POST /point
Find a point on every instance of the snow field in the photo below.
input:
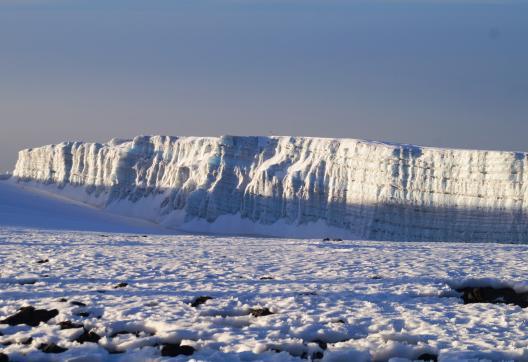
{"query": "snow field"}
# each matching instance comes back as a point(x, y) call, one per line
point(330, 300)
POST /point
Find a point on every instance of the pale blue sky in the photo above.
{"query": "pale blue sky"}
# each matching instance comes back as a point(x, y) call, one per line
point(442, 73)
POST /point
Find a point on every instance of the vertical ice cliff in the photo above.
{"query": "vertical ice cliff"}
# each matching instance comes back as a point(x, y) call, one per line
point(280, 185)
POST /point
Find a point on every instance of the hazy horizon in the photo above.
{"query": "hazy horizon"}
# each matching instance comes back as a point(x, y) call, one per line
point(433, 73)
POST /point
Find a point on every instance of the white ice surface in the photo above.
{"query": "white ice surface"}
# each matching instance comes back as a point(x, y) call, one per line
point(394, 298)
point(279, 186)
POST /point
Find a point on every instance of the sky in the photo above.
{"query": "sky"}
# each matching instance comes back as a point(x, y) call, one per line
point(449, 73)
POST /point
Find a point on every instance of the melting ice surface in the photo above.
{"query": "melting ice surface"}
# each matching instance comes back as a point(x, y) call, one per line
point(329, 300)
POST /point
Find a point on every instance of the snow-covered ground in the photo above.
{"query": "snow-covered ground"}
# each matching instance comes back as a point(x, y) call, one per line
point(329, 300)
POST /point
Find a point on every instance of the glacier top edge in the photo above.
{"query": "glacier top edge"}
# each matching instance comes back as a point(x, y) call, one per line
point(124, 142)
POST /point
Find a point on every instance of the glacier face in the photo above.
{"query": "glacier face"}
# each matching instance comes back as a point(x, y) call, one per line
point(276, 185)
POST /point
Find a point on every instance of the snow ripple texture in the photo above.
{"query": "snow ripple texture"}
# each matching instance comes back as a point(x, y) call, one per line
point(286, 186)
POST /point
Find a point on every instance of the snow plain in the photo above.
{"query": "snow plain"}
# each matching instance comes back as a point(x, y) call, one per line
point(330, 300)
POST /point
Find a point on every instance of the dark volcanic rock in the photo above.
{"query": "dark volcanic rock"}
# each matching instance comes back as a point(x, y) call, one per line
point(79, 304)
point(493, 295)
point(266, 278)
point(91, 337)
point(4, 357)
point(317, 355)
point(173, 350)
point(260, 312)
point(427, 357)
point(51, 348)
point(28, 341)
point(42, 261)
point(30, 316)
point(322, 344)
point(63, 300)
point(69, 325)
point(27, 282)
point(120, 285)
point(199, 301)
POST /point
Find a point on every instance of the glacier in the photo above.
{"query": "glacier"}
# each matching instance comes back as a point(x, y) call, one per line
point(292, 186)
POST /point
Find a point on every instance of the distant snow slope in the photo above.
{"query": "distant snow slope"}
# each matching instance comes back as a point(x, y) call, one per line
point(22, 207)
point(293, 186)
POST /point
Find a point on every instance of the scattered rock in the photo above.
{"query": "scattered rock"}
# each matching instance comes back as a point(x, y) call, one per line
point(307, 293)
point(260, 312)
point(27, 281)
point(69, 325)
point(51, 348)
point(199, 301)
point(42, 261)
point(266, 278)
point(317, 355)
point(338, 239)
point(322, 344)
point(30, 316)
point(173, 350)
point(376, 277)
point(493, 295)
point(4, 357)
point(79, 304)
point(326, 239)
point(63, 300)
point(120, 285)
point(427, 357)
point(91, 337)
point(27, 342)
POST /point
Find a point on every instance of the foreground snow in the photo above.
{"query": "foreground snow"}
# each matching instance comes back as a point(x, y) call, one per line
point(364, 300)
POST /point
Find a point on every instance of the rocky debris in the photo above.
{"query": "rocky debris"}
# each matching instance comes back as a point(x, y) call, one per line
point(326, 239)
point(493, 295)
point(51, 348)
point(173, 350)
point(138, 333)
point(69, 325)
point(4, 357)
point(27, 281)
point(427, 357)
point(120, 285)
point(307, 293)
point(199, 301)
point(27, 342)
point(88, 336)
point(266, 278)
point(79, 304)
point(62, 300)
point(322, 344)
point(30, 316)
point(42, 261)
point(314, 356)
point(260, 312)
point(338, 239)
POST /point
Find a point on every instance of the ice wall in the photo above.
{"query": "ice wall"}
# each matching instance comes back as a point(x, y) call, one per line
point(277, 185)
